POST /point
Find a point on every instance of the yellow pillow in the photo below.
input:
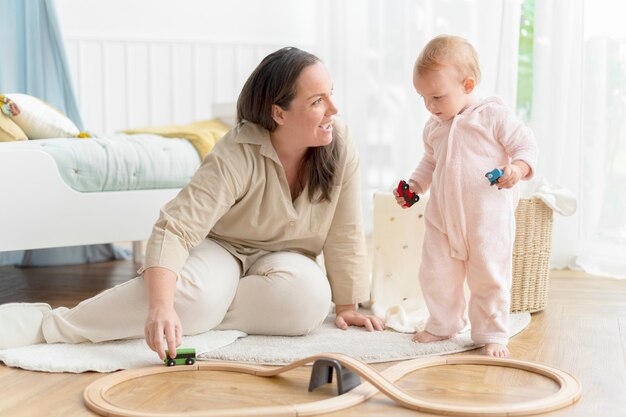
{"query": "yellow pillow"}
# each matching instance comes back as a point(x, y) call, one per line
point(203, 135)
point(9, 131)
point(39, 120)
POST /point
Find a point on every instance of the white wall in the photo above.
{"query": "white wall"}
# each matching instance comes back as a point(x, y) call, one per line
point(269, 21)
point(140, 62)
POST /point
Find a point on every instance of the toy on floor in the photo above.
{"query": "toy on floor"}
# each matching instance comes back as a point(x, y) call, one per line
point(494, 176)
point(410, 198)
point(322, 373)
point(183, 357)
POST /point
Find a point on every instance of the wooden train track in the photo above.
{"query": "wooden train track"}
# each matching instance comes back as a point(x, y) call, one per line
point(95, 395)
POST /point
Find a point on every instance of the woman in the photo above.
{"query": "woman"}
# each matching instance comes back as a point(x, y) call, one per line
point(236, 248)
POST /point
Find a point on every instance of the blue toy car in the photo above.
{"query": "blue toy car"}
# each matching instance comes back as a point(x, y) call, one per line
point(494, 176)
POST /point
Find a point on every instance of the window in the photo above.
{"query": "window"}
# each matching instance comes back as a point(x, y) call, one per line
point(525, 61)
point(604, 129)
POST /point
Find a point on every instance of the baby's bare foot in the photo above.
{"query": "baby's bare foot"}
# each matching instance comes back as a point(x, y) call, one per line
point(424, 337)
point(496, 350)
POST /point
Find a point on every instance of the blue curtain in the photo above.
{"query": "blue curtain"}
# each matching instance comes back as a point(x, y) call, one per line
point(33, 56)
point(33, 61)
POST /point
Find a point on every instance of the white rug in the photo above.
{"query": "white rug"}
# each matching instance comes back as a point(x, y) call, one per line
point(367, 346)
point(223, 345)
point(105, 356)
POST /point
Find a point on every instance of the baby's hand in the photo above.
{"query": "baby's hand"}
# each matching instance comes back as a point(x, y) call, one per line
point(512, 175)
point(400, 199)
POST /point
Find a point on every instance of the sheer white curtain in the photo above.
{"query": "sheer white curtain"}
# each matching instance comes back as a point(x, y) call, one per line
point(370, 47)
point(579, 105)
point(556, 109)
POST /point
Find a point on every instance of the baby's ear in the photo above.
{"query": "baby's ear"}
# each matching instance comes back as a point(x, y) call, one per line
point(468, 84)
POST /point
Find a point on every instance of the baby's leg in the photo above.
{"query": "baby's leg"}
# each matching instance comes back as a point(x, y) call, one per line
point(489, 311)
point(489, 274)
point(283, 293)
point(442, 278)
point(203, 293)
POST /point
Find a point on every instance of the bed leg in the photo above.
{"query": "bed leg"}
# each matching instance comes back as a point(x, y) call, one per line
point(137, 252)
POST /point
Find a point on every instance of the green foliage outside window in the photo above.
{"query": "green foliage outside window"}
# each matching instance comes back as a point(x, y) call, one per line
point(525, 61)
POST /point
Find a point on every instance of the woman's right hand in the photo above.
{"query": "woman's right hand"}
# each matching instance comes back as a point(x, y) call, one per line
point(163, 322)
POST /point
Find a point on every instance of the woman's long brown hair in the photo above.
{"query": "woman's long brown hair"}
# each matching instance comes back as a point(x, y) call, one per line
point(274, 82)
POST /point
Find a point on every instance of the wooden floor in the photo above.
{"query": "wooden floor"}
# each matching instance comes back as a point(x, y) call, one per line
point(582, 331)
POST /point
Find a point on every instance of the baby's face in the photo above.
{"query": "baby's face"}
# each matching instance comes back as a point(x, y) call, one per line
point(443, 92)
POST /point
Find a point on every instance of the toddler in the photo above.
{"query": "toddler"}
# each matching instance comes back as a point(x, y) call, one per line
point(470, 226)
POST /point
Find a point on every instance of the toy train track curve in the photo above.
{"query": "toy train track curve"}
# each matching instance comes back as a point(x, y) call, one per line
point(95, 395)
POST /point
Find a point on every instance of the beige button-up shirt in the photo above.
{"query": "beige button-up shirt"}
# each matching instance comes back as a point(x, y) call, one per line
point(240, 198)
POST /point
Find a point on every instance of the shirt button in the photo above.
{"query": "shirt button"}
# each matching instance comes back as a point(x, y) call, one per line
point(292, 224)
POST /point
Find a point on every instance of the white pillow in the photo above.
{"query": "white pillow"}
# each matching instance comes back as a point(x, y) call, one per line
point(39, 120)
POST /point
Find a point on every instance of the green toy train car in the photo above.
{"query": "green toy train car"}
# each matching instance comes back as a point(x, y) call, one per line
point(183, 357)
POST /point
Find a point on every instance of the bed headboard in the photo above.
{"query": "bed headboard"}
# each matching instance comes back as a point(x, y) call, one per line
point(129, 82)
point(227, 112)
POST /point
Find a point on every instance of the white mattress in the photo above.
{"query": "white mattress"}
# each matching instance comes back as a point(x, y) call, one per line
point(118, 162)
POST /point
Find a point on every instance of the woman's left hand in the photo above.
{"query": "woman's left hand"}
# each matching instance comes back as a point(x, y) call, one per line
point(348, 316)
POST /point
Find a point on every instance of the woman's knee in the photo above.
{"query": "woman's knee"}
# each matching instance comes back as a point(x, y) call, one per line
point(208, 283)
point(207, 262)
point(297, 276)
point(284, 294)
point(309, 300)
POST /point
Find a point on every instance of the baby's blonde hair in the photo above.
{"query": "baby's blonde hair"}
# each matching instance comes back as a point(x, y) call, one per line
point(449, 50)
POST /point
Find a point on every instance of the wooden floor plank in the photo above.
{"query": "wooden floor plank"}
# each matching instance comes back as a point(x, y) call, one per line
point(582, 331)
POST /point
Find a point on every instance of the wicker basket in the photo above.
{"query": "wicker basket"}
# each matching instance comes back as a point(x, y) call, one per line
point(531, 256)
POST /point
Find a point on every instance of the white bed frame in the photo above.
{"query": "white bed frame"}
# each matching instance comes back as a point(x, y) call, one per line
point(39, 210)
point(121, 83)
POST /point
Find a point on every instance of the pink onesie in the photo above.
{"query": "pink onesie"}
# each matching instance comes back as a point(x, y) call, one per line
point(470, 225)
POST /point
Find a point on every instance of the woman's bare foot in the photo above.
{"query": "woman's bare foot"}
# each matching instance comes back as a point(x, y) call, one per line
point(496, 350)
point(423, 336)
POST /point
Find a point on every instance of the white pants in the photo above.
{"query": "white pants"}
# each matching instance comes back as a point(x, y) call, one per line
point(282, 293)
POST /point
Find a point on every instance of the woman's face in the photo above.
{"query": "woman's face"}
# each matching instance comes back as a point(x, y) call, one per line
point(309, 120)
